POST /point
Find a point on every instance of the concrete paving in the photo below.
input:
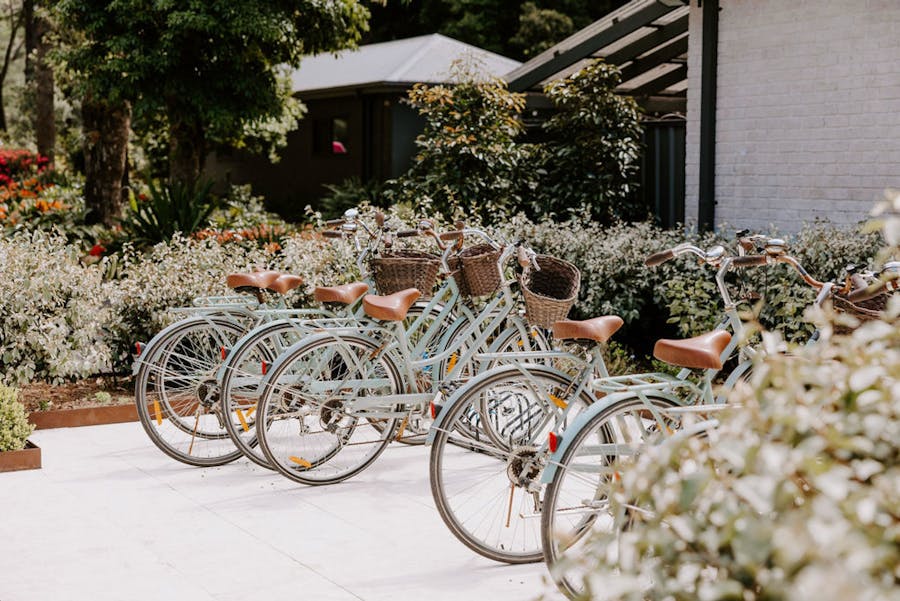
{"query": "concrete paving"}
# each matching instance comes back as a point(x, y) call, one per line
point(109, 517)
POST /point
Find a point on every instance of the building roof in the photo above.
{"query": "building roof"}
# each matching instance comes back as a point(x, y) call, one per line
point(426, 59)
point(646, 39)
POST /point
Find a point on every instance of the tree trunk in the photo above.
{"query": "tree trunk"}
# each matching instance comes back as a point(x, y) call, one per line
point(45, 120)
point(186, 150)
point(105, 145)
point(30, 38)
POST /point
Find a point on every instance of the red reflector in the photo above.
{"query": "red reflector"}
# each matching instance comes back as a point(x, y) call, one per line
point(433, 411)
point(138, 347)
point(265, 367)
point(553, 441)
point(223, 353)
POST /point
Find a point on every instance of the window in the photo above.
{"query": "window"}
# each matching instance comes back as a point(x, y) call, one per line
point(331, 136)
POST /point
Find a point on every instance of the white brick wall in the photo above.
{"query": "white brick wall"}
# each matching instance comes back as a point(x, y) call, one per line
point(808, 115)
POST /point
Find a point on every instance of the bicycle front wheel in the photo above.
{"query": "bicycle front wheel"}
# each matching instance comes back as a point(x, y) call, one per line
point(490, 496)
point(576, 502)
point(310, 425)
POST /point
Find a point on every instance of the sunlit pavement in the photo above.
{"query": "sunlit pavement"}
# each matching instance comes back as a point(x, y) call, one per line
point(109, 517)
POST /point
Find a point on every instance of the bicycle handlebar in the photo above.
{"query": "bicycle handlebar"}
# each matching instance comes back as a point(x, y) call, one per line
point(659, 258)
point(750, 260)
point(332, 234)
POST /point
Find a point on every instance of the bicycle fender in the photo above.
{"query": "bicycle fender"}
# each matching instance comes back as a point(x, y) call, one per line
point(566, 437)
point(245, 340)
point(460, 395)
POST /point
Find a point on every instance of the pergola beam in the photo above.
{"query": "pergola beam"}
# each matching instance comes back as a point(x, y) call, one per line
point(656, 58)
point(657, 85)
point(648, 42)
point(562, 59)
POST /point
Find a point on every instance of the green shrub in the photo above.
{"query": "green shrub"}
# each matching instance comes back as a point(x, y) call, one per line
point(14, 426)
point(170, 207)
point(589, 162)
point(793, 497)
point(468, 160)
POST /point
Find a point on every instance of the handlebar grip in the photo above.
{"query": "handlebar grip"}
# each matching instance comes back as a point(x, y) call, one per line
point(379, 219)
point(407, 233)
point(332, 234)
point(659, 258)
point(750, 261)
point(522, 257)
point(863, 294)
point(452, 236)
point(335, 222)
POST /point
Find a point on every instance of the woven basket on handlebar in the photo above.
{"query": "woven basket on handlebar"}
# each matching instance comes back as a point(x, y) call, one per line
point(397, 270)
point(549, 292)
point(866, 310)
point(476, 271)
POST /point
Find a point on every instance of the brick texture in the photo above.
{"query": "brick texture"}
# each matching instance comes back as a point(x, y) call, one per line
point(808, 115)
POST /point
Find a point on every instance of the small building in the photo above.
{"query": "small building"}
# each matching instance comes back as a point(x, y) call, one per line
point(788, 111)
point(357, 125)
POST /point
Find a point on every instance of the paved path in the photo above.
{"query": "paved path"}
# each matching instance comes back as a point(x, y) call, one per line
point(109, 517)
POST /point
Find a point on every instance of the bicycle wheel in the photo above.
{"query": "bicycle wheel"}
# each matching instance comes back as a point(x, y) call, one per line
point(489, 496)
point(177, 395)
point(240, 378)
point(576, 501)
point(308, 425)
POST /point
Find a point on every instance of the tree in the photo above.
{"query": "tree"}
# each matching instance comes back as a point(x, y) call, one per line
point(540, 28)
point(39, 74)
point(212, 68)
point(12, 22)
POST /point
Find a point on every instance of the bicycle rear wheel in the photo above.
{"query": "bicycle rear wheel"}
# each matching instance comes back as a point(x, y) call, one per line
point(576, 502)
point(241, 376)
point(308, 425)
point(490, 497)
point(177, 395)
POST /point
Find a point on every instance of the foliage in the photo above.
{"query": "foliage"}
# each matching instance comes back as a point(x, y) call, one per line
point(169, 208)
point(349, 194)
point(590, 161)
point(14, 426)
point(794, 496)
point(489, 24)
point(211, 67)
point(540, 28)
point(472, 162)
point(53, 310)
point(468, 161)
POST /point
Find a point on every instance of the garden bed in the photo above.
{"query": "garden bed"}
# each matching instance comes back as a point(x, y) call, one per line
point(91, 402)
point(28, 458)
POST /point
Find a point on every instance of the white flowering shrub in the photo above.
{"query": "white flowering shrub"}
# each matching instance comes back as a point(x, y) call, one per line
point(52, 311)
point(793, 497)
point(14, 426)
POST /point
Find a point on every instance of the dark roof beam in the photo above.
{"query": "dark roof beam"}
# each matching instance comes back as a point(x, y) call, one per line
point(648, 42)
point(566, 58)
point(665, 54)
point(657, 85)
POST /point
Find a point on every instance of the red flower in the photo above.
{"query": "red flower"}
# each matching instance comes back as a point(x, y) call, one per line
point(97, 250)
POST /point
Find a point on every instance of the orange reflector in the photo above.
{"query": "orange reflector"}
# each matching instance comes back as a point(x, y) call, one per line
point(158, 413)
point(223, 353)
point(433, 411)
point(553, 440)
point(452, 362)
point(558, 401)
point(138, 347)
point(242, 419)
point(265, 367)
point(521, 343)
point(300, 461)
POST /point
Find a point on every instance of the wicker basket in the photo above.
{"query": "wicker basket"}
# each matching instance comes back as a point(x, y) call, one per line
point(397, 270)
point(867, 310)
point(549, 292)
point(476, 271)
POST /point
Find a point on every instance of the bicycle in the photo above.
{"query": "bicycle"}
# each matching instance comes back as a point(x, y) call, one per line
point(641, 410)
point(176, 391)
point(332, 403)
